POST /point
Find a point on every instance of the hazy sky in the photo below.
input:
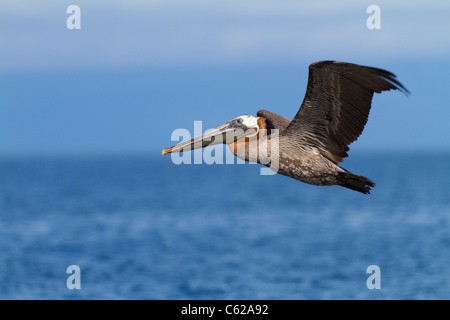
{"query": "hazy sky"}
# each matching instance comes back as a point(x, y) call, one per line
point(139, 69)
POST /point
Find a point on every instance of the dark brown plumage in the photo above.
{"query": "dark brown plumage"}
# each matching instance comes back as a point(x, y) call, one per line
point(336, 105)
point(273, 120)
point(309, 148)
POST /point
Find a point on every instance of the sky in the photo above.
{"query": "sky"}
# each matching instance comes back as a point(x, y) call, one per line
point(138, 69)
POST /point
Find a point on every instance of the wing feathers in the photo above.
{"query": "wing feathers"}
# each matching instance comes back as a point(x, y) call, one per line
point(337, 104)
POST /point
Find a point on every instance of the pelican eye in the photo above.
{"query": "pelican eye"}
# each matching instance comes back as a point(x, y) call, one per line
point(239, 120)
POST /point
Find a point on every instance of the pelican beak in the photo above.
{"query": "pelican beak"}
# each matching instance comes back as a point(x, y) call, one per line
point(226, 133)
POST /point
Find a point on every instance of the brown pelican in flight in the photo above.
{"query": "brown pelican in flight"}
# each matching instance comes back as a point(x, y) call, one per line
point(310, 147)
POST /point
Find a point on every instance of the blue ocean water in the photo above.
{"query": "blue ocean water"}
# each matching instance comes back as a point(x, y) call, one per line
point(140, 227)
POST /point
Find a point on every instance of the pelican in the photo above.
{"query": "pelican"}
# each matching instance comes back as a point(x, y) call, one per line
point(333, 114)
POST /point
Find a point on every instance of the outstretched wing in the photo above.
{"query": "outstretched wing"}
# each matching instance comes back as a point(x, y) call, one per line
point(336, 106)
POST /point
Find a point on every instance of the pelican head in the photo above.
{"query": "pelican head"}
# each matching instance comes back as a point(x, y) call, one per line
point(233, 130)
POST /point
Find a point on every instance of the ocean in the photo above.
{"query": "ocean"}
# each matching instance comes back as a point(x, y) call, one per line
point(141, 227)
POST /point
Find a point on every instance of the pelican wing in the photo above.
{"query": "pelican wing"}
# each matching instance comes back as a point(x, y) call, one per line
point(336, 106)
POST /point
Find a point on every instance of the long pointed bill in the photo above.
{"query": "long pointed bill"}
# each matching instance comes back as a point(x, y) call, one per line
point(226, 133)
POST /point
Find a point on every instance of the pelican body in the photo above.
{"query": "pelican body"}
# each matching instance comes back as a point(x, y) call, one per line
point(309, 148)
